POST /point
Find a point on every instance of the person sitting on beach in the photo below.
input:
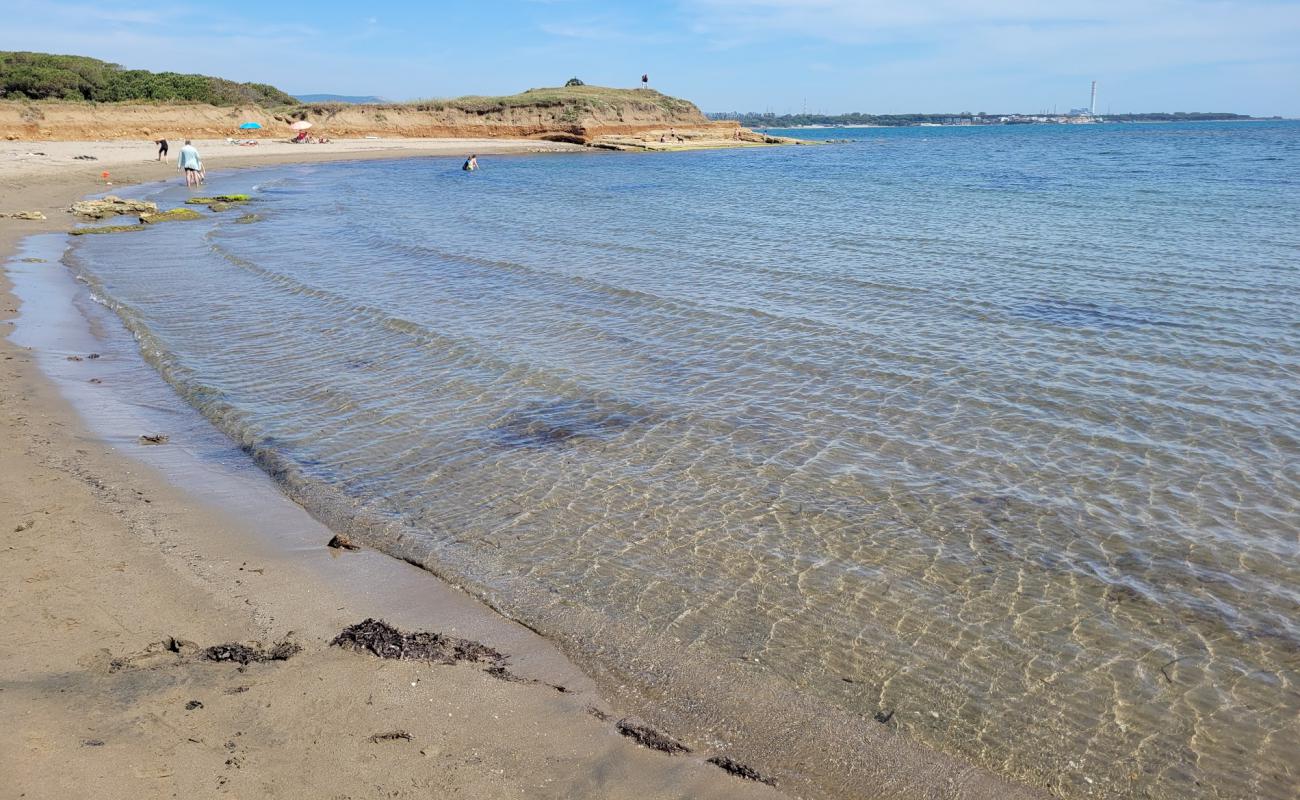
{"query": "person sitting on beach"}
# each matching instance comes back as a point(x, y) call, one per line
point(190, 162)
point(471, 164)
point(162, 149)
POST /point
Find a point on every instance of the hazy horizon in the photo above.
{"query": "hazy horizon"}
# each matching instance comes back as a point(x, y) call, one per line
point(828, 56)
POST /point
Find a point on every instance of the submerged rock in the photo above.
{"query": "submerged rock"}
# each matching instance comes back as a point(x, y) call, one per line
point(112, 205)
point(247, 219)
point(106, 229)
point(175, 215)
point(219, 198)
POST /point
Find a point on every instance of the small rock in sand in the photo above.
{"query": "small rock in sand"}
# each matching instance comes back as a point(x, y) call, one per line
point(154, 438)
point(342, 543)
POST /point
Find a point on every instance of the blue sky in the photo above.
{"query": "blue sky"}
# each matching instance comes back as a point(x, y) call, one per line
point(746, 55)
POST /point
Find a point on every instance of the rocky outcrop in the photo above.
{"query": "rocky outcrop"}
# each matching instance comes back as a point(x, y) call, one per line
point(105, 229)
point(175, 215)
point(696, 138)
point(110, 206)
point(30, 215)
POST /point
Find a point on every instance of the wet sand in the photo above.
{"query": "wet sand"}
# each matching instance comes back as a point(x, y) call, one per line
point(119, 584)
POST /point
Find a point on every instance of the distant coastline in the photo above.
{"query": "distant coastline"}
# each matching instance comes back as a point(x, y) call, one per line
point(861, 120)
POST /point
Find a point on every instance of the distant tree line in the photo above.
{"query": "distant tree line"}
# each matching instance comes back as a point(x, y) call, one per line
point(769, 120)
point(42, 76)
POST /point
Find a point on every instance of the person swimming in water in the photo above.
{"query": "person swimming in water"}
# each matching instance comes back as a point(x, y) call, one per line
point(471, 164)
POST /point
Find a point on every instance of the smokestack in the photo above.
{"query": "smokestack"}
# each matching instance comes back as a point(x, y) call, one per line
point(1092, 104)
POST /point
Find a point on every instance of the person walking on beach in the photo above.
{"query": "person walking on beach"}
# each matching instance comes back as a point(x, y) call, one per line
point(190, 162)
point(162, 149)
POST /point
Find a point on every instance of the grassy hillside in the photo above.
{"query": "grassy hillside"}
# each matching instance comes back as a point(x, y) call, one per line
point(579, 98)
point(42, 76)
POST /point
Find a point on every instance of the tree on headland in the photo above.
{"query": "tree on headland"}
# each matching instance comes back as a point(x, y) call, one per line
point(574, 82)
point(43, 76)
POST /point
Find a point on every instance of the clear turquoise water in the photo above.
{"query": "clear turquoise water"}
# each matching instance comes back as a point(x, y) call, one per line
point(996, 429)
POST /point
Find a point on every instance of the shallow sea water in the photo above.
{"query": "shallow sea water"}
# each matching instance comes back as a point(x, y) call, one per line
point(992, 434)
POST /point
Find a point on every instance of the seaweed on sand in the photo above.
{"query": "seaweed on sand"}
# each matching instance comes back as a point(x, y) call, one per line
point(380, 639)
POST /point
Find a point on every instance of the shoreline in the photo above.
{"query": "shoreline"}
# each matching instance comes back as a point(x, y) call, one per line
point(111, 558)
point(189, 540)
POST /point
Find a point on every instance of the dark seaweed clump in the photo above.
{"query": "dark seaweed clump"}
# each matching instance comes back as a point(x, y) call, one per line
point(740, 770)
point(245, 654)
point(558, 422)
point(1084, 314)
point(380, 639)
point(646, 736)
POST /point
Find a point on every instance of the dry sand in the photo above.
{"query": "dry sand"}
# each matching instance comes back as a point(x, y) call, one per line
point(105, 561)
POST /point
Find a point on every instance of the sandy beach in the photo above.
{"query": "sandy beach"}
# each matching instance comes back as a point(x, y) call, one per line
point(129, 605)
point(107, 561)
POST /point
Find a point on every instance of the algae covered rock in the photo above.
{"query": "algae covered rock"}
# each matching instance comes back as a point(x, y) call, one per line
point(106, 229)
point(248, 218)
point(112, 205)
point(175, 215)
point(224, 199)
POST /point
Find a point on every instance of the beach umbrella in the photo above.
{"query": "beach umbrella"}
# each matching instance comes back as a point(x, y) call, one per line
point(250, 126)
point(301, 125)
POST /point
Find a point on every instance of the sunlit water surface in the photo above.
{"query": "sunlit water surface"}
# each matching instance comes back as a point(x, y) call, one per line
point(996, 429)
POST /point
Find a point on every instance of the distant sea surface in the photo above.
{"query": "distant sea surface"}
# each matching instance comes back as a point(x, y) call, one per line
point(991, 434)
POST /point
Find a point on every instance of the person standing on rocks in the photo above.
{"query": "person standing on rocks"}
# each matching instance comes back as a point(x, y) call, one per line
point(190, 162)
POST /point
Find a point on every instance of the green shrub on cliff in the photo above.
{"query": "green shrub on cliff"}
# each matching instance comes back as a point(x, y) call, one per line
point(42, 76)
